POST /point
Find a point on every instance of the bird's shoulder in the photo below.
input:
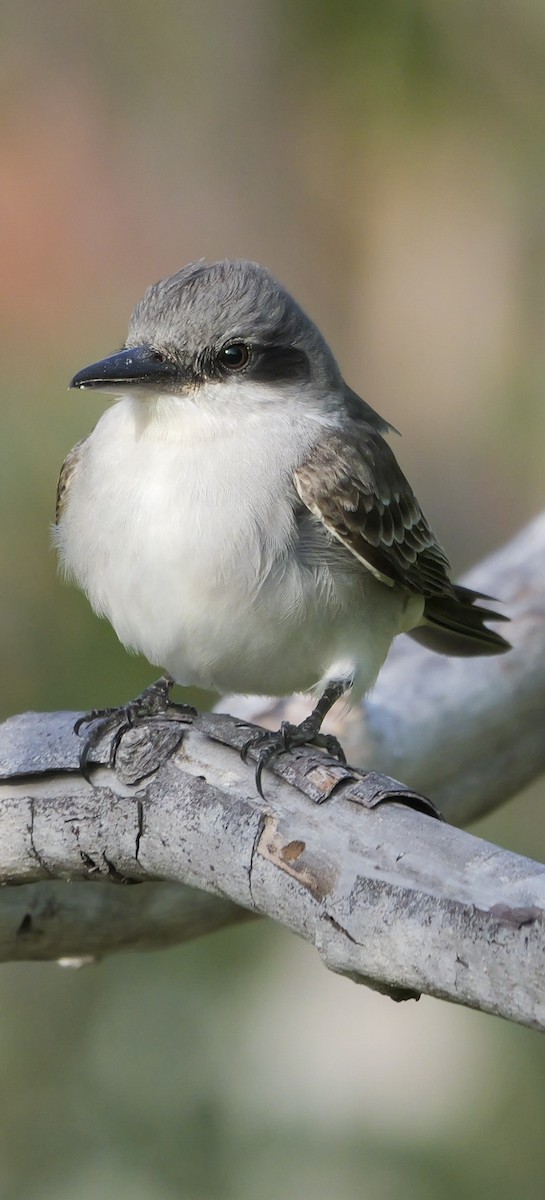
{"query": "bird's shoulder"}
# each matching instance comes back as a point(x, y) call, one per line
point(352, 482)
point(66, 475)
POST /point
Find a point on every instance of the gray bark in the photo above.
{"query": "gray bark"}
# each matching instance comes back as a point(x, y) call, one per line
point(387, 895)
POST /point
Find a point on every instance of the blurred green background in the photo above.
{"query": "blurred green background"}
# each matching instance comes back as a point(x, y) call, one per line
point(386, 161)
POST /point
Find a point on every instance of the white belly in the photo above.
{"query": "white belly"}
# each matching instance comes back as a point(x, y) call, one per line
point(165, 537)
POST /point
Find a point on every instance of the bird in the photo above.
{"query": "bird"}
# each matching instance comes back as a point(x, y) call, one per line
point(239, 517)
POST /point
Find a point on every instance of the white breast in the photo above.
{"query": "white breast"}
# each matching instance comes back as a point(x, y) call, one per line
point(179, 525)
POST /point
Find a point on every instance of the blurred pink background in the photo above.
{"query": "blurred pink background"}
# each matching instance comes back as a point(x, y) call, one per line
point(387, 164)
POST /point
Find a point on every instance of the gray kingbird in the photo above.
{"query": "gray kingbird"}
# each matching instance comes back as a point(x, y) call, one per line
point(237, 515)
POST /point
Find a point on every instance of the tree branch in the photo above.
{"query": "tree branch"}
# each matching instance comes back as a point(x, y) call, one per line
point(387, 895)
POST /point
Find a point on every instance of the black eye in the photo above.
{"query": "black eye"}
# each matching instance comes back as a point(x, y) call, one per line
point(234, 357)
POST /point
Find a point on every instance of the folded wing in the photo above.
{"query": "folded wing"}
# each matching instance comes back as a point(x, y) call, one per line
point(352, 482)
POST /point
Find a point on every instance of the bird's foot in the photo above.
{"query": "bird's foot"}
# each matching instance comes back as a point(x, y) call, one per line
point(286, 739)
point(152, 705)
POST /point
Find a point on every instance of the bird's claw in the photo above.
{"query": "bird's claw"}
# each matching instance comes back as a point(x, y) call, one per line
point(284, 741)
point(152, 705)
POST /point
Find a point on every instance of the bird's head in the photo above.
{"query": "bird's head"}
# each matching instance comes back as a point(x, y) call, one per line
point(210, 324)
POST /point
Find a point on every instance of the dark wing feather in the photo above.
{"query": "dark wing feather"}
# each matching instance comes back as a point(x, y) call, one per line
point(351, 481)
point(68, 468)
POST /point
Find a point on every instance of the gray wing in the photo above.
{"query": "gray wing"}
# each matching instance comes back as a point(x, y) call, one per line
point(67, 471)
point(351, 481)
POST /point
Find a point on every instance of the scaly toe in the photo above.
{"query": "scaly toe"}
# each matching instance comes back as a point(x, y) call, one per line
point(100, 728)
point(96, 714)
point(285, 740)
point(328, 742)
point(152, 706)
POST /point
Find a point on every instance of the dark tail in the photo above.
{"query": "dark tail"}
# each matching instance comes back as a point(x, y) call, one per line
point(456, 625)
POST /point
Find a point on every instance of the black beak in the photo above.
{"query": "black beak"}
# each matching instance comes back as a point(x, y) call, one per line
point(141, 365)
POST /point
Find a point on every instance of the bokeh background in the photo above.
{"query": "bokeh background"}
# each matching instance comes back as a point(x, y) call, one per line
point(386, 161)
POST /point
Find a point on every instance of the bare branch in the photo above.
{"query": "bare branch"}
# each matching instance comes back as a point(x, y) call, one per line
point(388, 896)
